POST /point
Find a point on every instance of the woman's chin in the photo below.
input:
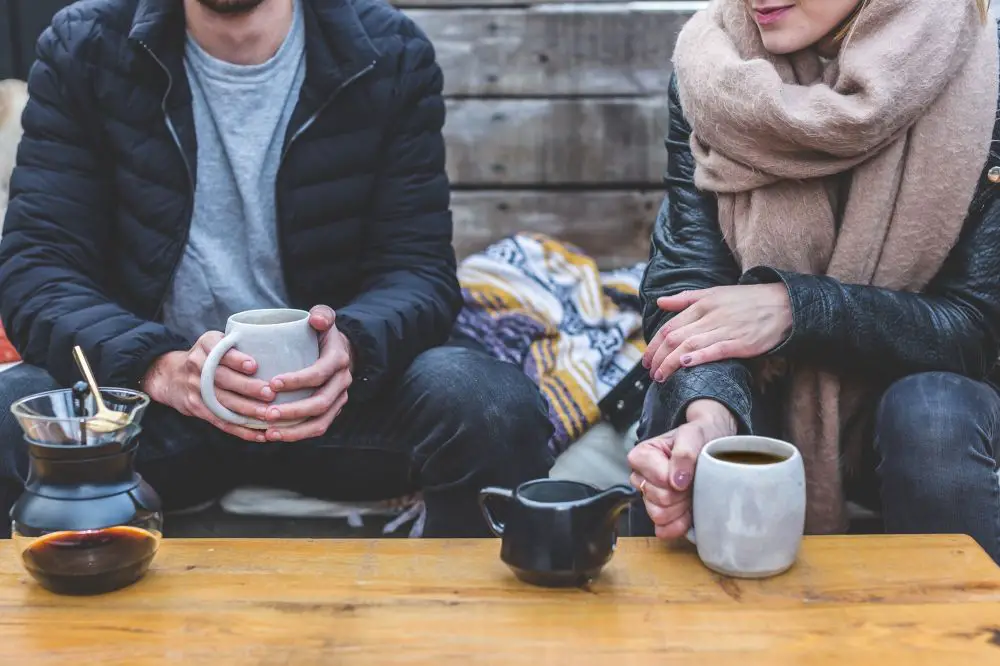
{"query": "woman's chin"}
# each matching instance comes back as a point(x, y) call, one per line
point(780, 42)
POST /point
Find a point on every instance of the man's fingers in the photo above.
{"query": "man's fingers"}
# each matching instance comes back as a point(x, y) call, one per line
point(247, 434)
point(314, 376)
point(236, 360)
point(248, 387)
point(312, 428)
point(233, 359)
point(315, 405)
point(209, 339)
point(235, 402)
point(332, 360)
point(322, 318)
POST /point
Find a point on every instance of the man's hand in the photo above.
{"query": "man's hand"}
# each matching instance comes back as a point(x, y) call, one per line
point(740, 321)
point(663, 467)
point(174, 380)
point(331, 375)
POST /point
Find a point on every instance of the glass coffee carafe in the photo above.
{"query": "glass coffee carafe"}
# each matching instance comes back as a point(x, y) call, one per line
point(86, 523)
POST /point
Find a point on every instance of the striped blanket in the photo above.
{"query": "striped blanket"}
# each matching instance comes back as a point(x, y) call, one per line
point(544, 306)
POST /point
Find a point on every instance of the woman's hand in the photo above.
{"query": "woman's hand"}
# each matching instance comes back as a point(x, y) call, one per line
point(663, 467)
point(741, 321)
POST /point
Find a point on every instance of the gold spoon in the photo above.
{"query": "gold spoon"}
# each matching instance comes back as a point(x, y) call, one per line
point(105, 420)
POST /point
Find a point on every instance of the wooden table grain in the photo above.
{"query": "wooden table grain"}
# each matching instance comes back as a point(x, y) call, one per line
point(886, 600)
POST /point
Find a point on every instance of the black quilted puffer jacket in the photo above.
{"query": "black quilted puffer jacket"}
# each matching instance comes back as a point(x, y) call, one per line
point(882, 335)
point(101, 197)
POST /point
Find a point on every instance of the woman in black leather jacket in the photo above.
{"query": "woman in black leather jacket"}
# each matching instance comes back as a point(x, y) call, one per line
point(725, 334)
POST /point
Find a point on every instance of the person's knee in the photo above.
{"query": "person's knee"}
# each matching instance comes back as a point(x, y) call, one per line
point(480, 401)
point(23, 380)
point(474, 388)
point(16, 383)
point(926, 424)
point(19, 382)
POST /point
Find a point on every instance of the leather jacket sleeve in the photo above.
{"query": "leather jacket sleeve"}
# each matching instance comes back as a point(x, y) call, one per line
point(688, 253)
point(952, 326)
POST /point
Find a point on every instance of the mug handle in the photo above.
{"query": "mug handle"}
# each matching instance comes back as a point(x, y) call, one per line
point(485, 495)
point(208, 371)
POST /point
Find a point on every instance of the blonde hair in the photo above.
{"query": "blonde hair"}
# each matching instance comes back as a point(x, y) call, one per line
point(845, 30)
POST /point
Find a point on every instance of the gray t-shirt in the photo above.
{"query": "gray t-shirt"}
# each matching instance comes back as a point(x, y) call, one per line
point(231, 262)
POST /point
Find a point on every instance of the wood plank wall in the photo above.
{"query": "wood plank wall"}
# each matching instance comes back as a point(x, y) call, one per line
point(556, 113)
point(556, 116)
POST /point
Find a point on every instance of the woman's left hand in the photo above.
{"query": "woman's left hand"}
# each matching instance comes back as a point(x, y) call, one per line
point(739, 321)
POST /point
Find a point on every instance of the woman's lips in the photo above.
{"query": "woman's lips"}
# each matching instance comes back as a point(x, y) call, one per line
point(769, 15)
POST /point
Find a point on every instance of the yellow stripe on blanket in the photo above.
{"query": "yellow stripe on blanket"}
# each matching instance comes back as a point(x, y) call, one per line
point(576, 331)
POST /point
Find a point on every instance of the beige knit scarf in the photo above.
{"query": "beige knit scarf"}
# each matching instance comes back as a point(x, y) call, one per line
point(907, 109)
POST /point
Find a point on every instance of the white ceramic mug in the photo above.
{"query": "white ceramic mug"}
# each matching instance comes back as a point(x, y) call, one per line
point(280, 341)
point(749, 518)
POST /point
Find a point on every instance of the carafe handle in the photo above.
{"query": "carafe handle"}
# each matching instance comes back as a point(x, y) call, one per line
point(485, 495)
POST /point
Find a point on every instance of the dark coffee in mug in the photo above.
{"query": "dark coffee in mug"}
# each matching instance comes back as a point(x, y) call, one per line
point(91, 561)
point(749, 506)
point(748, 457)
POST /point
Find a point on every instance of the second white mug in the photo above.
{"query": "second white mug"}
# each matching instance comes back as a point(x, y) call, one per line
point(749, 506)
point(280, 341)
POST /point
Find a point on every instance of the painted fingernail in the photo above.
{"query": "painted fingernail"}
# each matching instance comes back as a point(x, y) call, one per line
point(261, 438)
point(274, 435)
point(267, 393)
point(247, 366)
point(682, 480)
point(277, 384)
point(273, 414)
point(686, 359)
point(658, 375)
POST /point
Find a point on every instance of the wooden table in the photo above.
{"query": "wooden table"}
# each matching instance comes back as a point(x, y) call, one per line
point(891, 601)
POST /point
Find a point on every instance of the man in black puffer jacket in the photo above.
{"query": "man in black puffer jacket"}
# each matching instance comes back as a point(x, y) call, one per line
point(186, 159)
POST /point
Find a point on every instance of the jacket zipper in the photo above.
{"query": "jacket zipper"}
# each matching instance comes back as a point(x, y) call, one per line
point(281, 162)
point(187, 167)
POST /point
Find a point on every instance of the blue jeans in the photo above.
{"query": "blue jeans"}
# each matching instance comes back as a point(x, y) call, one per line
point(457, 420)
point(936, 444)
point(937, 439)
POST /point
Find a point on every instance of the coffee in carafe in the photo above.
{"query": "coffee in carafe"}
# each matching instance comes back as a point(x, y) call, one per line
point(90, 561)
point(86, 523)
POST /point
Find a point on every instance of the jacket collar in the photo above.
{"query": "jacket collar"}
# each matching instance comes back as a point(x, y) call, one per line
point(337, 44)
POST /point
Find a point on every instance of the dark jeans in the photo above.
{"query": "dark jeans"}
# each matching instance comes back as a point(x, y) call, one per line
point(456, 421)
point(936, 444)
